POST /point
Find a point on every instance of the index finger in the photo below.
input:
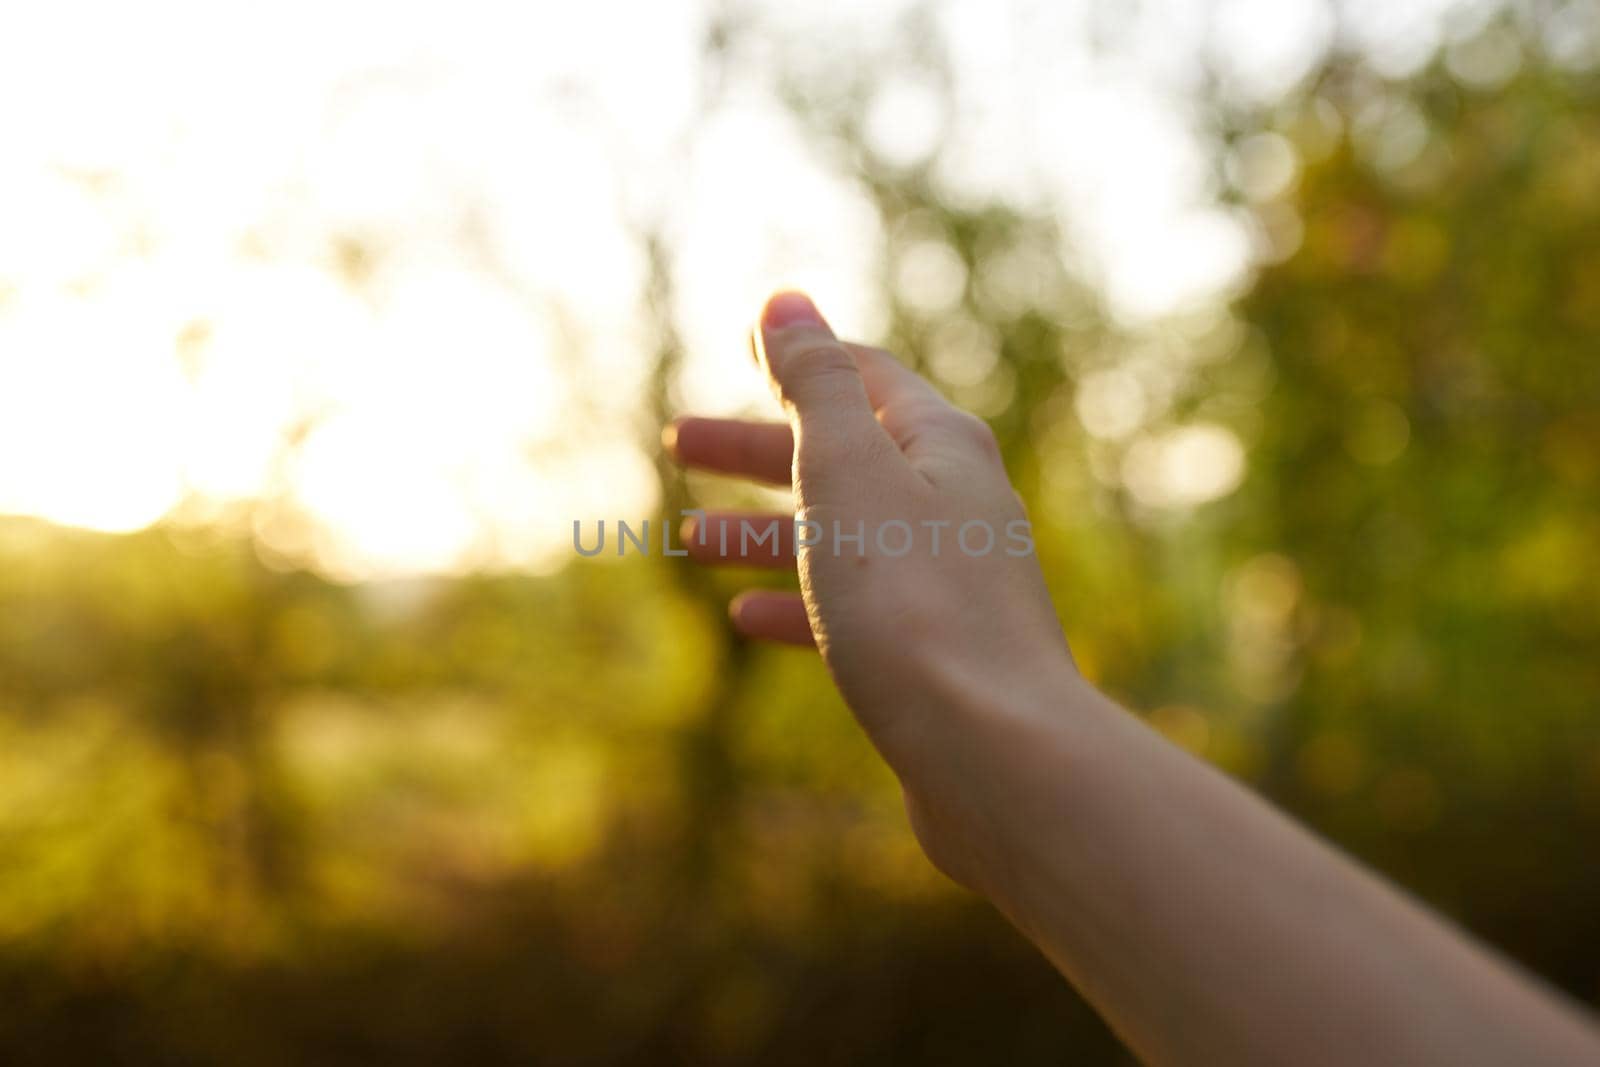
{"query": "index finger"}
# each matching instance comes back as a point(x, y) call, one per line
point(760, 450)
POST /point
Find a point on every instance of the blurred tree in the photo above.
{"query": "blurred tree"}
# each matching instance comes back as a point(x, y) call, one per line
point(1338, 537)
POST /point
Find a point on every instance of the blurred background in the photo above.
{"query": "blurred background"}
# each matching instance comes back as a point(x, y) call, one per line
point(320, 324)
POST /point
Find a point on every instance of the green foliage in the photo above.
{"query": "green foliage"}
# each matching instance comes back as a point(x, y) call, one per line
point(251, 815)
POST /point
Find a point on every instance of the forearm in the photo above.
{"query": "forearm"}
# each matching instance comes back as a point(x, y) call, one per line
point(1207, 928)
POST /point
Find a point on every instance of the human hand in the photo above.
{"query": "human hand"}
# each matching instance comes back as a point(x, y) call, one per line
point(1025, 784)
point(918, 581)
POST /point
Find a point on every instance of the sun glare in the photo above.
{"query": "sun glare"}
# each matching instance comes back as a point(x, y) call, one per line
point(386, 266)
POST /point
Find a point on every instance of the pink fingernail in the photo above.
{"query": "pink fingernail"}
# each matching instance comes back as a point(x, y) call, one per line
point(791, 309)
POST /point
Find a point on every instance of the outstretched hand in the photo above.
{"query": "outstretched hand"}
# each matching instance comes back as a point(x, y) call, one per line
point(1205, 927)
point(918, 581)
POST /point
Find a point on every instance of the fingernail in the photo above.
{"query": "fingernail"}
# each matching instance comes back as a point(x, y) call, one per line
point(669, 437)
point(791, 309)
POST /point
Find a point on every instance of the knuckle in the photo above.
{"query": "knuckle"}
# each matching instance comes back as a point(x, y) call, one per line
point(842, 461)
point(810, 367)
point(973, 432)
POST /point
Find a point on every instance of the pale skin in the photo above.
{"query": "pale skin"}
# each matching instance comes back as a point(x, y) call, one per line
point(1206, 927)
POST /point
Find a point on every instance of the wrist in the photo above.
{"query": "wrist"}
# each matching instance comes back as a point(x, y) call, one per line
point(976, 786)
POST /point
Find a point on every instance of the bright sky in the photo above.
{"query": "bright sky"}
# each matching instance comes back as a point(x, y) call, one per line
point(180, 183)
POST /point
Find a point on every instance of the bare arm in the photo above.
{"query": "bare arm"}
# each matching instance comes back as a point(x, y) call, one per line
point(1206, 927)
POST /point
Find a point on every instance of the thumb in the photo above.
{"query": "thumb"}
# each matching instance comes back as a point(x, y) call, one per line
point(820, 385)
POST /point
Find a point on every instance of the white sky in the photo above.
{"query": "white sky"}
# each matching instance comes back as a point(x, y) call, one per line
point(186, 171)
